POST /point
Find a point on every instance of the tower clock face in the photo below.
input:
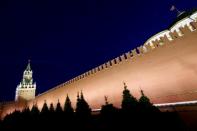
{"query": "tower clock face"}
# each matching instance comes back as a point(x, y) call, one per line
point(27, 79)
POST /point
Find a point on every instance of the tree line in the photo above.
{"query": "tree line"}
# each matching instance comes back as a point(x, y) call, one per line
point(139, 114)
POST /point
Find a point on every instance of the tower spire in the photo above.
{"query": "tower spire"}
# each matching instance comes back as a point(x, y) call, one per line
point(28, 65)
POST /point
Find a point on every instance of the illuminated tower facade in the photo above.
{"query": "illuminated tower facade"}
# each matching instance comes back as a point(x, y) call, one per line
point(26, 89)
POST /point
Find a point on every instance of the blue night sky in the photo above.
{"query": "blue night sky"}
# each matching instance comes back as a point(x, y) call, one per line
point(68, 37)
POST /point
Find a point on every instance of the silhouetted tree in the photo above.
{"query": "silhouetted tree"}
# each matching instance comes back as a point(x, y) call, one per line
point(26, 111)
point(144, 99)
point(44, 116)
point(59, 113)
point(108, 114)
point(34, 110)
point(145, 103)
point(58, 108)
point(129, 102)
point(82, 108)
point(25, 116)
point(35, 114)
point(51, 108)
point(108, 110)
point(14, 119)
point(68, 109)
point(45, 109)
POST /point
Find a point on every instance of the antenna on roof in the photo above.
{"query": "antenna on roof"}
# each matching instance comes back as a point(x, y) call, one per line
point(178, 11)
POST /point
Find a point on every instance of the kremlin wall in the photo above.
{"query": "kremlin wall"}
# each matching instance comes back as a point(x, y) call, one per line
point(164, 67)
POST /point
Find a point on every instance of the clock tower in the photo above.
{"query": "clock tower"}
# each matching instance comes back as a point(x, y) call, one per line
point(26, 89)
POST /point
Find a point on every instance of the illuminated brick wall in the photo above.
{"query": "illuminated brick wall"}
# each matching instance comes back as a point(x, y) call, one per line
point(165, 67)
point(166, 72)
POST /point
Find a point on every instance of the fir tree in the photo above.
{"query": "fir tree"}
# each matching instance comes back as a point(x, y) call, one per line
point(82, 109)
point(108, 110)
point(129, 102)
point(51, 108)
point(58, 108)
point(26, 111)
point(45, 109)
point(34, 110)
point(144, 99)
point(78, 104)
point(26, 116)
point(68, 109)
point(145, 103)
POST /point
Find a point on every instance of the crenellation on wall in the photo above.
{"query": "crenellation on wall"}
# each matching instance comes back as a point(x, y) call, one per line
point(158, 43)
point(148, 47)
point(83, 75)
point(128, 55)
point(92, 71)
point(98, 68)
point(174, 35)
point(141, 50)
point(185, 30)
point(179, 32)
point(190, 26)
point(78, 78)
point(166, 39)
point(194, 25)
point(111, 62)
point(144, 49)
point(101, 67)
point(116, 60)
point(104, 65)
point(155, 44)
point(134, 52)
point(89, 72)
point(125, 56)
point(108, 64)
point(122, 57)
point(95, 69)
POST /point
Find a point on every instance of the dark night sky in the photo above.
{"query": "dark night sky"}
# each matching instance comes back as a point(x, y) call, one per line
point(66, 38)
